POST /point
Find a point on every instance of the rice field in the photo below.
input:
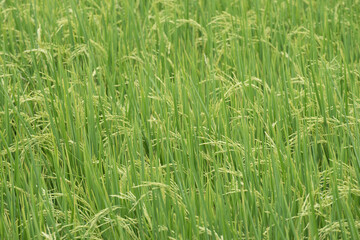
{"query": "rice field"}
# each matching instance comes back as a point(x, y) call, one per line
point(192, 119)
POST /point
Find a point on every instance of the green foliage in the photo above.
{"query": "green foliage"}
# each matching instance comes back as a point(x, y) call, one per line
point(194, 119)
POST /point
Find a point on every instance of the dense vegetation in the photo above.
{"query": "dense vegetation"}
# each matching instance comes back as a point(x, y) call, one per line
point(193, 119)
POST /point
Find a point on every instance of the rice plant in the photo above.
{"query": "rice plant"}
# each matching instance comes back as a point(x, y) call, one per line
point(193, 119)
